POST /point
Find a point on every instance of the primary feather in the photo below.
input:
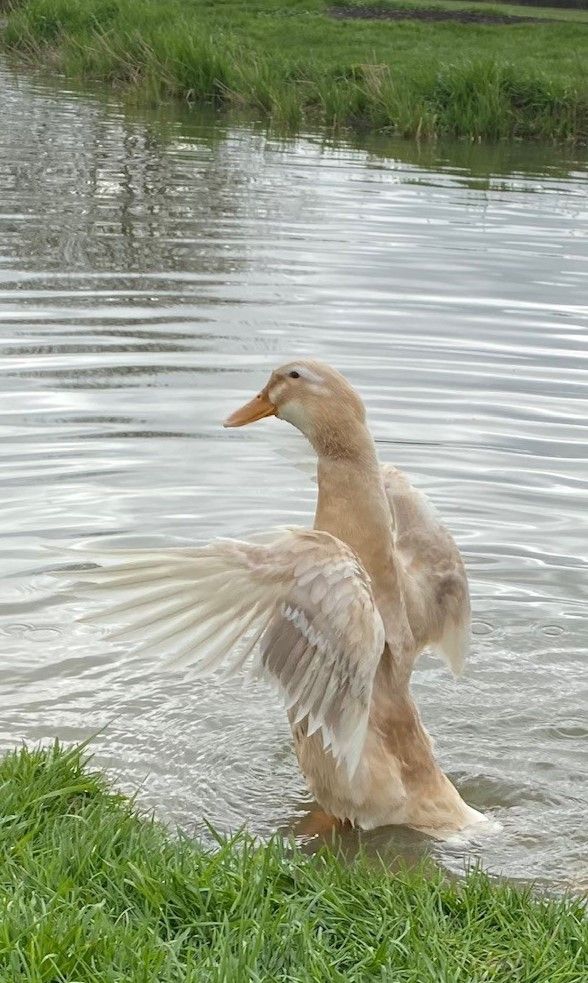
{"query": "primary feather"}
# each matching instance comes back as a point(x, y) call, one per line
point(305, 596)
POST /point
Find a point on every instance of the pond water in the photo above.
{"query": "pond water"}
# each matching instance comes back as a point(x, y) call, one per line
point(153, 268)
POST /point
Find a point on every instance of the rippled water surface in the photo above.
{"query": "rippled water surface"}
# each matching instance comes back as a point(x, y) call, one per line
point(152, 269)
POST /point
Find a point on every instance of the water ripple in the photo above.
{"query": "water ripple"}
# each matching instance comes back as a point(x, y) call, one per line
point(152, 269)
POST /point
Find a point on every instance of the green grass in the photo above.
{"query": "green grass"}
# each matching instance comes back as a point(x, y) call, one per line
point(92, 892)
point(289, 61)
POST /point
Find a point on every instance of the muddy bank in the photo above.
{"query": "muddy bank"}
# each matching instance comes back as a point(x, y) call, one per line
point(557, 4)
point(429, 14)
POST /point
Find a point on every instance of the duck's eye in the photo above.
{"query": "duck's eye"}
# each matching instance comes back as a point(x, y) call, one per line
point(294, 375)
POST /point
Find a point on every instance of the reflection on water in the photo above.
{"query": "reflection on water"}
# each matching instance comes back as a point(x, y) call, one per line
point(152, 270)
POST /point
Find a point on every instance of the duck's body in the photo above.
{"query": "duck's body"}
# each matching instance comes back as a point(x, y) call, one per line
point(341, 613)
point(420, 588)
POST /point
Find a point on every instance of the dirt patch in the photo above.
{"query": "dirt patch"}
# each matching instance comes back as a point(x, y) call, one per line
point(561, 4)
point(429, 14)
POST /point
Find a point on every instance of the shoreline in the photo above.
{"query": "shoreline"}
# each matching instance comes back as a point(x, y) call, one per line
point(93, 890)
point(292, 64)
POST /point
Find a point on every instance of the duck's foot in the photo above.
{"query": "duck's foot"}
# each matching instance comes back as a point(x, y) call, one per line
point(318, 823)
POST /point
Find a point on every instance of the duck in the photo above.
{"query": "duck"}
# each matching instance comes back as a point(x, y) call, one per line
point(333, 616)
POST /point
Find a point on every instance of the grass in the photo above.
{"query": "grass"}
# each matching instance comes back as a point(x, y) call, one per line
point(291, 62)
point(93, 892)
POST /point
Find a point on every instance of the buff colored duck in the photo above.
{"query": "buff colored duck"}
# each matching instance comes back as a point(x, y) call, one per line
point(334, 616)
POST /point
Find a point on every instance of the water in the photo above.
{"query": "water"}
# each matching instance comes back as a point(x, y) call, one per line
point(153, 268)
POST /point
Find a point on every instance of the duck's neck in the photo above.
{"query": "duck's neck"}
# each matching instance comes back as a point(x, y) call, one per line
point(353, 506)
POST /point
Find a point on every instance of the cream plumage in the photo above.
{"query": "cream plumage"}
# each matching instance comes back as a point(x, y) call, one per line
point(333, 616)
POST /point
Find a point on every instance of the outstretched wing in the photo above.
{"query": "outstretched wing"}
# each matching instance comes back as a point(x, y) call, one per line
point(305, 597)
point(430, 555)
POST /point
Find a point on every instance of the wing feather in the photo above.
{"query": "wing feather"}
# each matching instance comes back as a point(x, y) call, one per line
point(305, 598)
point(431, 557)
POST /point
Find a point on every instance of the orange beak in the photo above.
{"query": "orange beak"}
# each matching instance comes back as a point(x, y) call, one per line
point(255, 409)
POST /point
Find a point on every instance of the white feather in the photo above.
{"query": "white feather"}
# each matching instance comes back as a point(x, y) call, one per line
point(305, 591)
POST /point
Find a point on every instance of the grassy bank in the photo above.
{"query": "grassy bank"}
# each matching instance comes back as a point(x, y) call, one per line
point(91, 891)
point(292, 61)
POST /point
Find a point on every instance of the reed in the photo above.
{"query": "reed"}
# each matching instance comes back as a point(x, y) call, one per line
point(291, 62)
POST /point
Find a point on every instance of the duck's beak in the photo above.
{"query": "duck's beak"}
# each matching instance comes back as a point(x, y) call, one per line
point(255, 409)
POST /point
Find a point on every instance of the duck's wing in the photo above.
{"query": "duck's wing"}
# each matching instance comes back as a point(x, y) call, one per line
point(305, 597)
point(432, 559)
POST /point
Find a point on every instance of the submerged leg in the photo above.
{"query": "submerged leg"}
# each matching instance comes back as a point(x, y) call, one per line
point(317, 823)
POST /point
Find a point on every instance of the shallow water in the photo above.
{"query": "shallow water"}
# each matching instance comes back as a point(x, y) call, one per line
point(153, 268)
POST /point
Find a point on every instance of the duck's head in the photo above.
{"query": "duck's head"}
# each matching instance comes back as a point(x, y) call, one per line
point(312, 396)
